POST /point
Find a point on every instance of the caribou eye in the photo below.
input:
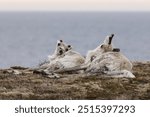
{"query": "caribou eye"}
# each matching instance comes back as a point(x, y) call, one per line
point(69, 46)
point(58, 44)
point(61, 40)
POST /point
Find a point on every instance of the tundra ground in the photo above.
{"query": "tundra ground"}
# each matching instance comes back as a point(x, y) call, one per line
point(29, 85)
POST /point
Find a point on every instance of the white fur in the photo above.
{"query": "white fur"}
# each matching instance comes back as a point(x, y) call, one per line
point(120, 74)
point(100, 60)
point(72, 59)
point(92, 54)
point(112, 63)
point(56, 53)
point(69, 59)
point(61, 48)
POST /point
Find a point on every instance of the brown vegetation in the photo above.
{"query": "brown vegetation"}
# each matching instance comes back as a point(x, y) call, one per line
point(75, 86)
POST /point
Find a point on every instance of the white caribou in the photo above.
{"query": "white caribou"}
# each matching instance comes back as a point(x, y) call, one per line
point(109, 60)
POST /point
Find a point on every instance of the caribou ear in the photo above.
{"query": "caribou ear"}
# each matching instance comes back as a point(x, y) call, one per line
point(69, 46)
point(61, 40)
point(58, 44)
point(116, 50)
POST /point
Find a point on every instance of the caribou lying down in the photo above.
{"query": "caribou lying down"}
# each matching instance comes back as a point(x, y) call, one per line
point(63, 58)
point(105, 59)
point(110, 61)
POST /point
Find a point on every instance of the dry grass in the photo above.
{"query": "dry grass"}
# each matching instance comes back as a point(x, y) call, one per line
point(75, 86)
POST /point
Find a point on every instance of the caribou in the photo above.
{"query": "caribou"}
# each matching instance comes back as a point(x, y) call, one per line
point(104, 59)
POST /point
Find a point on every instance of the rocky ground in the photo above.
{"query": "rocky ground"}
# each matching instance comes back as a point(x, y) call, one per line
point(29, 85)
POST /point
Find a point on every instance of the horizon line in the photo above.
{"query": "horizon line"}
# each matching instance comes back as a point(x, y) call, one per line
point(74, 10)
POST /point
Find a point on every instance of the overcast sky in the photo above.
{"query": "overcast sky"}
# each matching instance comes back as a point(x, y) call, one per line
point(74, 5)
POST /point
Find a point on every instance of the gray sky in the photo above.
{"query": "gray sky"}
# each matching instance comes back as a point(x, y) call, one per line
point(74, 5)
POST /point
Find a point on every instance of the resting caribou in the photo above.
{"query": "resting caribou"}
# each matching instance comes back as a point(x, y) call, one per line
point(105, 60)
point(64, 57)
